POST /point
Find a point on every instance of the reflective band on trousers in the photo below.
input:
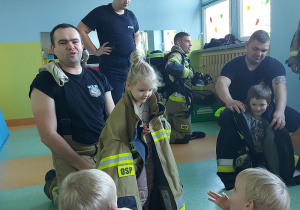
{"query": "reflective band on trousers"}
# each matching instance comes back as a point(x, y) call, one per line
point(293, 53)
point(218, 112)
point(225, 165)
point(296, 158)
point(183, 207)
point(180, 203)
point(54, 195)
point(161, 134)
point(114, 160)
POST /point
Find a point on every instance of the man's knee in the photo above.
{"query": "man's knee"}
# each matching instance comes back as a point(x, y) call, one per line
point(226, 118)
point(292, 118)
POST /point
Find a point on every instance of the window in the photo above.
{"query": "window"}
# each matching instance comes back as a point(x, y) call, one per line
point(238, 17)
point(254, 15)
point(216, 20)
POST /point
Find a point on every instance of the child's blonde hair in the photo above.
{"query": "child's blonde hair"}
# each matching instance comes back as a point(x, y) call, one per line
point(88, 190)
point(266, 190)
point(140, 70)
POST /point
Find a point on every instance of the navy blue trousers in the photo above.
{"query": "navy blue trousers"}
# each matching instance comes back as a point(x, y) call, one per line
point(115, 69)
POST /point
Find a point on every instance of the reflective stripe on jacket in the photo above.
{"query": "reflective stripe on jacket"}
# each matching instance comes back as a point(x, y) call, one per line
point(180, 74)
point(294, 49)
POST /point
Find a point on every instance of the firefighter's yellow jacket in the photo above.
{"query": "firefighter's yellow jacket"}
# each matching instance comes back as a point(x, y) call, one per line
point(180, 73)
point(120, 137)
point(294, 49)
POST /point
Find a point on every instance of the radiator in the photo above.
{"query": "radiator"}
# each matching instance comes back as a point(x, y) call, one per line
point(212, 63)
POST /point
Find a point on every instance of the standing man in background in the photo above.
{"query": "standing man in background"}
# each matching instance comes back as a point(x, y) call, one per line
point(118, 34)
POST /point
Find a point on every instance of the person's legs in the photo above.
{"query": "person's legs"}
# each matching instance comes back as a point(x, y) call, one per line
point(227, 149)
point(115, 69)
point(118, 86)
point(292, 118)
point(180, 121)
point(270, 152)
point(62, 169)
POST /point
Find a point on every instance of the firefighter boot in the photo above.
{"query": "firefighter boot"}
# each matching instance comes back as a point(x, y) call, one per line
point(197, 134)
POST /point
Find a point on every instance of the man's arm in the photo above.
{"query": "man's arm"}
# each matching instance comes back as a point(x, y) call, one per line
point(279, 88)
point(175, 68)
point(137, 38)
point(109, 103)
point(222, 88)
point(84, 31)
point(43, 108)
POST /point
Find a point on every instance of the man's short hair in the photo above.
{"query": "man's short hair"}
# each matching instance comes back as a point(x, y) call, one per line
point(260, 91)
point(62, 25)
point(261, 36)
point(179, 36)
point(87, 189)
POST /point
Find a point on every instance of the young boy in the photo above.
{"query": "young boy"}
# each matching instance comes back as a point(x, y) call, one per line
point(255, 188)
point(89, 189)
point(259, 144)
point(258, 98)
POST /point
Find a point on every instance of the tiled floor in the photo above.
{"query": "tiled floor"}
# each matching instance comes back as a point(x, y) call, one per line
point(24, 160)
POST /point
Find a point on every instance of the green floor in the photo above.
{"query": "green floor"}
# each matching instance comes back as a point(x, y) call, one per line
point(197, 177)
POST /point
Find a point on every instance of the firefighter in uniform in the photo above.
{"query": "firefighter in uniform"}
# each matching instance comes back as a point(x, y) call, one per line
point(179, 94)
point(293, 61)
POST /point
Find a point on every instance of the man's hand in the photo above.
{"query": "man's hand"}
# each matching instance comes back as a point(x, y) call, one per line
point(295, 68)
point(235, 105)
point(279, 120)
point(221, 200)
point(103, 50)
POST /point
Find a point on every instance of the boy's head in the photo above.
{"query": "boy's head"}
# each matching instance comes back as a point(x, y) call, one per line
point(259, 98)
point(88, 190)
point(257, 188)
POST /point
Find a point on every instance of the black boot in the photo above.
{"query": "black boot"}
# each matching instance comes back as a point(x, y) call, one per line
point(197, 134)
point(49, 178)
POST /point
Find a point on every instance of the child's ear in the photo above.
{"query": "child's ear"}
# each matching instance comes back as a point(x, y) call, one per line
point(250, 205)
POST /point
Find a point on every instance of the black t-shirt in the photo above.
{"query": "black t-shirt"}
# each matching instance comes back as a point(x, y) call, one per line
point(85, 98)
point(242, 78)
point(116, 29)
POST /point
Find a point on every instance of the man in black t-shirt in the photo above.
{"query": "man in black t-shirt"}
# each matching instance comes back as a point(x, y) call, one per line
point(232, 86)
point(70, 105)
point(253, 68)
point(118, 34)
